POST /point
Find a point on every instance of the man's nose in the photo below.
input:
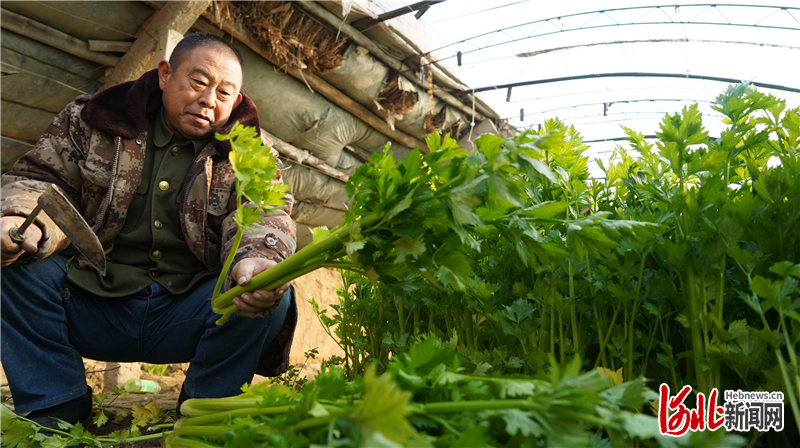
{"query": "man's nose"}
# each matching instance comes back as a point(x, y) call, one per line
point(208, 99)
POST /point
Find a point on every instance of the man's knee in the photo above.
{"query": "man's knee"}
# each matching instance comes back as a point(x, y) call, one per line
point(44, 280)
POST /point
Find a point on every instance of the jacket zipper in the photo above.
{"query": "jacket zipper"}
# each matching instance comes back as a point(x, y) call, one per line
point(101, 217)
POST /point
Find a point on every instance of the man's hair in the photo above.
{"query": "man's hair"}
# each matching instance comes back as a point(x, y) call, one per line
point(194, 40)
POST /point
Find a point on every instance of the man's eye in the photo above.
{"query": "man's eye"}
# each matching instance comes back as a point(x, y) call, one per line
point(198, 82)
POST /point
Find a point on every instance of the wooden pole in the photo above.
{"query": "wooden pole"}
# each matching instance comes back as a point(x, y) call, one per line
point(201, 25)
point(361, 154)
point(369, 22)
point(318, 84)
point(117, 46)
point(303, 157)
point(53, 37)
point(176, 16)
point(166, 43)
point(359, 38)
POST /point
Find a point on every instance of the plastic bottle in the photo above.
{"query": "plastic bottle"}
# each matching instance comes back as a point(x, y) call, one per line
point(142, 386)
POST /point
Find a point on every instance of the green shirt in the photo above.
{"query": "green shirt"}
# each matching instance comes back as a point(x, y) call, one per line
point(150, 246)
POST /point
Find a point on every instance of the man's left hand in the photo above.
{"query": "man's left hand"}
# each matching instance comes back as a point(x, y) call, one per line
point(259, 299)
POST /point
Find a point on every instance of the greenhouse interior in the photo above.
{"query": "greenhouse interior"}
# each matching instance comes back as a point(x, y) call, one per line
point(441, 223)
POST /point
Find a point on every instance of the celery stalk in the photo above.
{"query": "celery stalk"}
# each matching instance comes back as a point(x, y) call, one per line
point(254, 171)
point(294, 266)
point(229, 261)
point(203, 406)
point(226, 415)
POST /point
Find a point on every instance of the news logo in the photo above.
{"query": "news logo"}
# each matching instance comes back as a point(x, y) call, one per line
point(742, 411)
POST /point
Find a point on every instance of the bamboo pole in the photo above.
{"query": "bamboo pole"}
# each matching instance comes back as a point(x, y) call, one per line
point(359, 38)
point(318, 84)
point(53, 37)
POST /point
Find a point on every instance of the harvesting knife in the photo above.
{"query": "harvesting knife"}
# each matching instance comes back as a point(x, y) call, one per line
point(59, 208)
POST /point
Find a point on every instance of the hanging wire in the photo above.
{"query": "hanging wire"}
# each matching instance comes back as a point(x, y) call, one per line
point(472, 120)
point(479, 12)
point(44, 77)
point(19, 141)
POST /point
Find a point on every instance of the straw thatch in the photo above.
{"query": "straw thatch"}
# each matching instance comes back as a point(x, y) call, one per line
point(291, 35)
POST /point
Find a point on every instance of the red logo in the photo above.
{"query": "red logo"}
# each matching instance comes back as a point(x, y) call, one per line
point(674, 418)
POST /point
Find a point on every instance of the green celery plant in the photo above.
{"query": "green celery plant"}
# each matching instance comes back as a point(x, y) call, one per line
point(408, 217)
point(255, 168)
point(427, 399)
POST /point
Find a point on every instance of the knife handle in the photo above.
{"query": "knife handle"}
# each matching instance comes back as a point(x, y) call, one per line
point(17, 234)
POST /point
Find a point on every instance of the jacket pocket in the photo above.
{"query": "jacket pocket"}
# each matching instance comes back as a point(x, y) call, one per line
point(137, 207)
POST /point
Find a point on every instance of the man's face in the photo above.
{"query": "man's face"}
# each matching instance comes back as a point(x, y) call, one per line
point(201, 92)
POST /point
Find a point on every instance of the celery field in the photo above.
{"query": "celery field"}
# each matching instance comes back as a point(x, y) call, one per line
point(504, 298)
point(483, 286)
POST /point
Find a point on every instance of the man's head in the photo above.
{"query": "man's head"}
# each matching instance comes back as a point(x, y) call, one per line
point(201, 85)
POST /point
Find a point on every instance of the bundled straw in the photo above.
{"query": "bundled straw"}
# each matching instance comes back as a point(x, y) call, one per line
point(294, 37)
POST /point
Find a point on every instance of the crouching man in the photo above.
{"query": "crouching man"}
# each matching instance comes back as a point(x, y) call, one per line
point(141, 163)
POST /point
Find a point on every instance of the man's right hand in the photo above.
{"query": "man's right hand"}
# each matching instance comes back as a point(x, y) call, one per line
point(9, 250)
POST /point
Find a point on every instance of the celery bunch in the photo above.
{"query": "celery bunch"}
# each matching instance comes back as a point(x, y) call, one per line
point(413, 216)
point(427, 399)
point(255, 168)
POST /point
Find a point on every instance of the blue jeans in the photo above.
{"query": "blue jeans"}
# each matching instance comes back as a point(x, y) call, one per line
point(49, 324)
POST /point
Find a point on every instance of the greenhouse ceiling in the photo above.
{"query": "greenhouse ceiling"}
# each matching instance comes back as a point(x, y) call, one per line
point(602, 64)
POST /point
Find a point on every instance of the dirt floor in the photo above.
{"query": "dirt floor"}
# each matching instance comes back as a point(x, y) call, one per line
point(321, 285)
point(163, 401)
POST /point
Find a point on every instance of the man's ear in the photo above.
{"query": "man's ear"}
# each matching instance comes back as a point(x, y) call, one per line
point(164, 73)
point(238, 100)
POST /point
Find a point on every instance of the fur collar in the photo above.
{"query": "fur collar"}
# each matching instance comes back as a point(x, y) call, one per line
point(125, 109)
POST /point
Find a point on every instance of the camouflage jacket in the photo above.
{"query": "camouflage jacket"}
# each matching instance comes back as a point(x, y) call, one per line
point(94, 150)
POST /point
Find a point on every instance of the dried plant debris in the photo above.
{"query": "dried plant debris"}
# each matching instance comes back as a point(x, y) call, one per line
point(394, 99)
point(294, 37)
point(435, 121)
point(454, 130)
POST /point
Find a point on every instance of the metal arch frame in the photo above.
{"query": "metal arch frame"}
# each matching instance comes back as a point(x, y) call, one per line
point(634, 22)
point(531, 54)
point(714, 93)
point(632, 116)
point(618, 139)
point(618, 114)
point(628, 75)
point(609, 103)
